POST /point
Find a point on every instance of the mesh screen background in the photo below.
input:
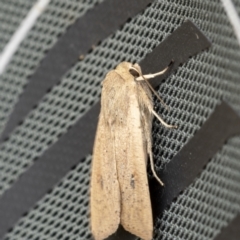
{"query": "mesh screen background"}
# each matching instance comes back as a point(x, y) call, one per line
point(192, 93)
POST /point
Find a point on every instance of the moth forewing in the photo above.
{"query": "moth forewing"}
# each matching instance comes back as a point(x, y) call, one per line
point(105, 193)
point(119, 183)
point(136, 211)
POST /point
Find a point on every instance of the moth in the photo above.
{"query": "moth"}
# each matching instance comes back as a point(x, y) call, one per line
point(119, 184)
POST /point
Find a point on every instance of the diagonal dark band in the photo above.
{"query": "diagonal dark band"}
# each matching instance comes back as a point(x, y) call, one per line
point(231, 232)
point(55, 163)
point(185, 42)
point(183, 169)
point(94, 26)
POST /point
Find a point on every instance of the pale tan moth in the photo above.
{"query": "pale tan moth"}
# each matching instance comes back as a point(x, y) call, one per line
point(119, 183)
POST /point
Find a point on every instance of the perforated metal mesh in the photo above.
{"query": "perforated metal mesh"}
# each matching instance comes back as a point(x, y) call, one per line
point(11, 13)
point(58, 16)
point(210, 203)
point(192, 93)
point(60, 214)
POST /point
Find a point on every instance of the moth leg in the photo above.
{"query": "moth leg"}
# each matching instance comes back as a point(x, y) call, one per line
point(152, 166)
point(155, 93)
point(162, 121)
point(149, 148)
point(149, 76)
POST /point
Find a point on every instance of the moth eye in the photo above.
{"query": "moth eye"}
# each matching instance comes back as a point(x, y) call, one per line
point(134, 72)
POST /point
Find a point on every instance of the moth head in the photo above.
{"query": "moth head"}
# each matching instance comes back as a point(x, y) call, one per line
point(135, 70)
point(130, 69)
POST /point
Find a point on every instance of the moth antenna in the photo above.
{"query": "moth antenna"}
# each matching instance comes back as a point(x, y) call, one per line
point(156, 94)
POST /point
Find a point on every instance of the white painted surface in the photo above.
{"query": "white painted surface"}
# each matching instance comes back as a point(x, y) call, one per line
point(21, 33)
point(233, 16)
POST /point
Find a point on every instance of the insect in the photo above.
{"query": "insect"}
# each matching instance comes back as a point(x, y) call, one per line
point(119, 183)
